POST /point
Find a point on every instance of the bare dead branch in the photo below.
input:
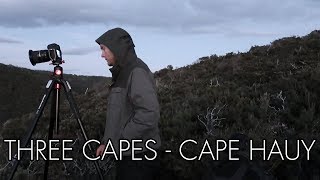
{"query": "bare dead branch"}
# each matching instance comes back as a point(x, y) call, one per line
point(211, 120)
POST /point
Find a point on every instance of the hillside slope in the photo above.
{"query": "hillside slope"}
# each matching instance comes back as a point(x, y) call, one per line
point(22, 89)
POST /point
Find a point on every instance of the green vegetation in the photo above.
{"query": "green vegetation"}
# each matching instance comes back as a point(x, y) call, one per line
point(21, 89)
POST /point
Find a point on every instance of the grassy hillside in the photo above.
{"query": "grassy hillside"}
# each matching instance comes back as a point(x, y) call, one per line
point(270, 92)
point(22, 89)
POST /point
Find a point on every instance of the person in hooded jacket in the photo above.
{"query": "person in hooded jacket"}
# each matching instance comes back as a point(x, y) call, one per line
point(133, 109)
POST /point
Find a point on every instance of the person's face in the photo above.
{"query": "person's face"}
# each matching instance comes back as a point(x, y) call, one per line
point(107, 55)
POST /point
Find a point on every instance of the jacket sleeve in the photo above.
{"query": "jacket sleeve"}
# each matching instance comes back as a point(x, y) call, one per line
point(146, 113)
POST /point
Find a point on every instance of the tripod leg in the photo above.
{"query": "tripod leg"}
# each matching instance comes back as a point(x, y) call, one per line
point(73, 106)
point(54, 118)
point(57, 108)
point(38, 114)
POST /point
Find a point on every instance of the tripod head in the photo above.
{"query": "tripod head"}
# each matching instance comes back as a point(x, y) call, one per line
point(58, 72)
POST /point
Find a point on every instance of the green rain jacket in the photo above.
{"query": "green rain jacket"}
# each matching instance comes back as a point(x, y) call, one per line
point(132, 105)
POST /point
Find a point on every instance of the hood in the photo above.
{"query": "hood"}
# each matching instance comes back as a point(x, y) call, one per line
point(120, 43)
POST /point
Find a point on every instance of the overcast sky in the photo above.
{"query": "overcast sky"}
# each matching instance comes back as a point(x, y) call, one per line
point(175, 32)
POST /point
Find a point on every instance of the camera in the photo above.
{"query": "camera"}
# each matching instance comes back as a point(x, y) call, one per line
point(52, 53)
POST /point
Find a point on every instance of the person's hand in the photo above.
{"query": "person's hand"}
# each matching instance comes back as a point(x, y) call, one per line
point(100, 150)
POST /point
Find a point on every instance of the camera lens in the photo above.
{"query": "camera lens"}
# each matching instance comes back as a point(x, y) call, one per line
point(38, 56)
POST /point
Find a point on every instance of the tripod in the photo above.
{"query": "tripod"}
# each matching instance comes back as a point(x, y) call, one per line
point(54, 84)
